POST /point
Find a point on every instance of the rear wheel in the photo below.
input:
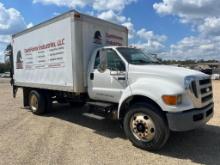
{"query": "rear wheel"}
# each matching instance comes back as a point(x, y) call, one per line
point(37, 102)
point(145, 127)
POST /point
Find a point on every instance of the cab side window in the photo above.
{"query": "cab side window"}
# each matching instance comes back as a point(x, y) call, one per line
point(114, 62)
point(97, 60)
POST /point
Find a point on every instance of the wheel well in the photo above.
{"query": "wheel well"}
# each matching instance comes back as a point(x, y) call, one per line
point(134, 99)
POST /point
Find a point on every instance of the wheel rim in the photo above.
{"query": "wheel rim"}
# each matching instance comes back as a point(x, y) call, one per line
point(142, 127)
point(34, 103)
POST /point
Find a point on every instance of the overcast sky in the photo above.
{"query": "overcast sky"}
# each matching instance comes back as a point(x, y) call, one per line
point(175, 29)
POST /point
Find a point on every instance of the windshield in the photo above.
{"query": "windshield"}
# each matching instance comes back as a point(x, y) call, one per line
point(136, 56)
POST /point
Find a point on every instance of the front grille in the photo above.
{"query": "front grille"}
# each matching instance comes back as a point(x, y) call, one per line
point(206, 98)
point(205, 89)
point(205, 81)
point(194, 89)
point(201, 91)
point(209, 112)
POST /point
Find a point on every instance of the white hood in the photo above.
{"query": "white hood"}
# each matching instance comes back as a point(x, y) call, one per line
point(163, 71)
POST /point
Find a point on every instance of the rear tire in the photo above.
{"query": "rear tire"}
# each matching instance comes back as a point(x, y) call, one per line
point(145, 126)
point(37, 102)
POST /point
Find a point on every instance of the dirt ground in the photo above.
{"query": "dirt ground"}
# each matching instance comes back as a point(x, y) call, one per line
point(72, 136)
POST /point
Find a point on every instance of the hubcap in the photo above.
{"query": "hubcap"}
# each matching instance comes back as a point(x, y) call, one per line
point(34, 103)
point(142, 127)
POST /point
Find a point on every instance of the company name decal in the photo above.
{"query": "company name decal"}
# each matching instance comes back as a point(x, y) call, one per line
point(109, 39)
point(112, 39)
point(45, 46)
point(48, 55)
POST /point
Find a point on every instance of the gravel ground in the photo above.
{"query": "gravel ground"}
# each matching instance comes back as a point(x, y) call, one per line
point(71, 136)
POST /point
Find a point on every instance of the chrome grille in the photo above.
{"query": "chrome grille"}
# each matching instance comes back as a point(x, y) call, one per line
point(194, 89)
point(204, 81)
point(205, 90)
point(201, 92)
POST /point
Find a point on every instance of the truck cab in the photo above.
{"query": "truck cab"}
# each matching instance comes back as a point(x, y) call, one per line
point(140, 85)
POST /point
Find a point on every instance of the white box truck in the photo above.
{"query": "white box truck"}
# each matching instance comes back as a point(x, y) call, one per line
point(77, 59)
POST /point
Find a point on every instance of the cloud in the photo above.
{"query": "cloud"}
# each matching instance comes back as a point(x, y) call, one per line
point(30, 25)
point(195, 48)
point(201, 14)
point(189, 11)
point(210, 27)
point(149, 35)
point(110, 15)
point(56, 13)
point(98, 5)
point(11, 21)
point(131, 30)
point(116, 5)
point(68, 3)
point(204, 17)
point(4, 39)
point(148, 40)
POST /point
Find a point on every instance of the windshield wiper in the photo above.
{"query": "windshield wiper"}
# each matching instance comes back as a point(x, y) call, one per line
point(148, 62)
point(156, 62)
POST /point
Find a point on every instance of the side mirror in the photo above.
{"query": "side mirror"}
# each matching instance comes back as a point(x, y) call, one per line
point(103, 61)
point(122, 67)
point(8, 50)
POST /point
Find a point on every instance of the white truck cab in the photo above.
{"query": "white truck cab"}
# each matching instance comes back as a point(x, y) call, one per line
point(90, 63)
point(129, 77)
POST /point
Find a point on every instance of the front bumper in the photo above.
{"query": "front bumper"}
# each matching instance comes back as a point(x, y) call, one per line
point(191, 119)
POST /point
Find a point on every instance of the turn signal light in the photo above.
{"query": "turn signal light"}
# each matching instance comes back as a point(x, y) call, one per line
point(172, 100)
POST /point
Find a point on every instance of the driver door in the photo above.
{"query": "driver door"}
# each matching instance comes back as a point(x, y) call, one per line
point(108, 76)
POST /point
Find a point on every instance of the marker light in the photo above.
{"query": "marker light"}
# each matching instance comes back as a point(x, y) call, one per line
point(172, 100)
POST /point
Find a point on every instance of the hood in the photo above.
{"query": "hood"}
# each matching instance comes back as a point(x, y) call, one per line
point(168, 72)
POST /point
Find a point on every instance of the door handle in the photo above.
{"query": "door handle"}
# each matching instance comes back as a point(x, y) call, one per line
point(121, 78)
point(91, 76)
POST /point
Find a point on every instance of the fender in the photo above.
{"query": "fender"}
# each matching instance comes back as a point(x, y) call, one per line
point(154, 89)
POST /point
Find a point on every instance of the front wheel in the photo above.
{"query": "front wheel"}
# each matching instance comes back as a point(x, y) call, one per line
point(145, 127)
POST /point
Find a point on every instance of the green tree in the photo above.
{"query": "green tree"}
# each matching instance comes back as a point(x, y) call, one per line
point(4, 67)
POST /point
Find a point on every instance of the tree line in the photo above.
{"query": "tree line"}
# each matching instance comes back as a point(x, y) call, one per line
point(4, 67)
point(187, 62)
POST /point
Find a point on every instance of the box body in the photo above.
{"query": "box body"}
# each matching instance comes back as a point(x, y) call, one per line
point(55, 54)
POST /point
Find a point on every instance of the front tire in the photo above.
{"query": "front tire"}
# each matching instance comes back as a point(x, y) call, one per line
point(37, 102)
point(145, 126)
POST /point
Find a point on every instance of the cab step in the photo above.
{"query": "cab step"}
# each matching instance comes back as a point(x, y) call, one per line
point(104, 109)
point(100, 104)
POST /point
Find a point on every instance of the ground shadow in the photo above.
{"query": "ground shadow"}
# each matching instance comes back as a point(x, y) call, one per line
point(200, 146)
point(80, 116)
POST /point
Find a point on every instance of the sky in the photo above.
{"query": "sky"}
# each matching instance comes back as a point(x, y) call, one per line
point(173, 29)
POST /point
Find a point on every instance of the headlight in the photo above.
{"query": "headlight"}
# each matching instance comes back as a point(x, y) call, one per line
point(188, 82)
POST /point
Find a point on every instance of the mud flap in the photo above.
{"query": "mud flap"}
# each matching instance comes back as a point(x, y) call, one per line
point(15, 89)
